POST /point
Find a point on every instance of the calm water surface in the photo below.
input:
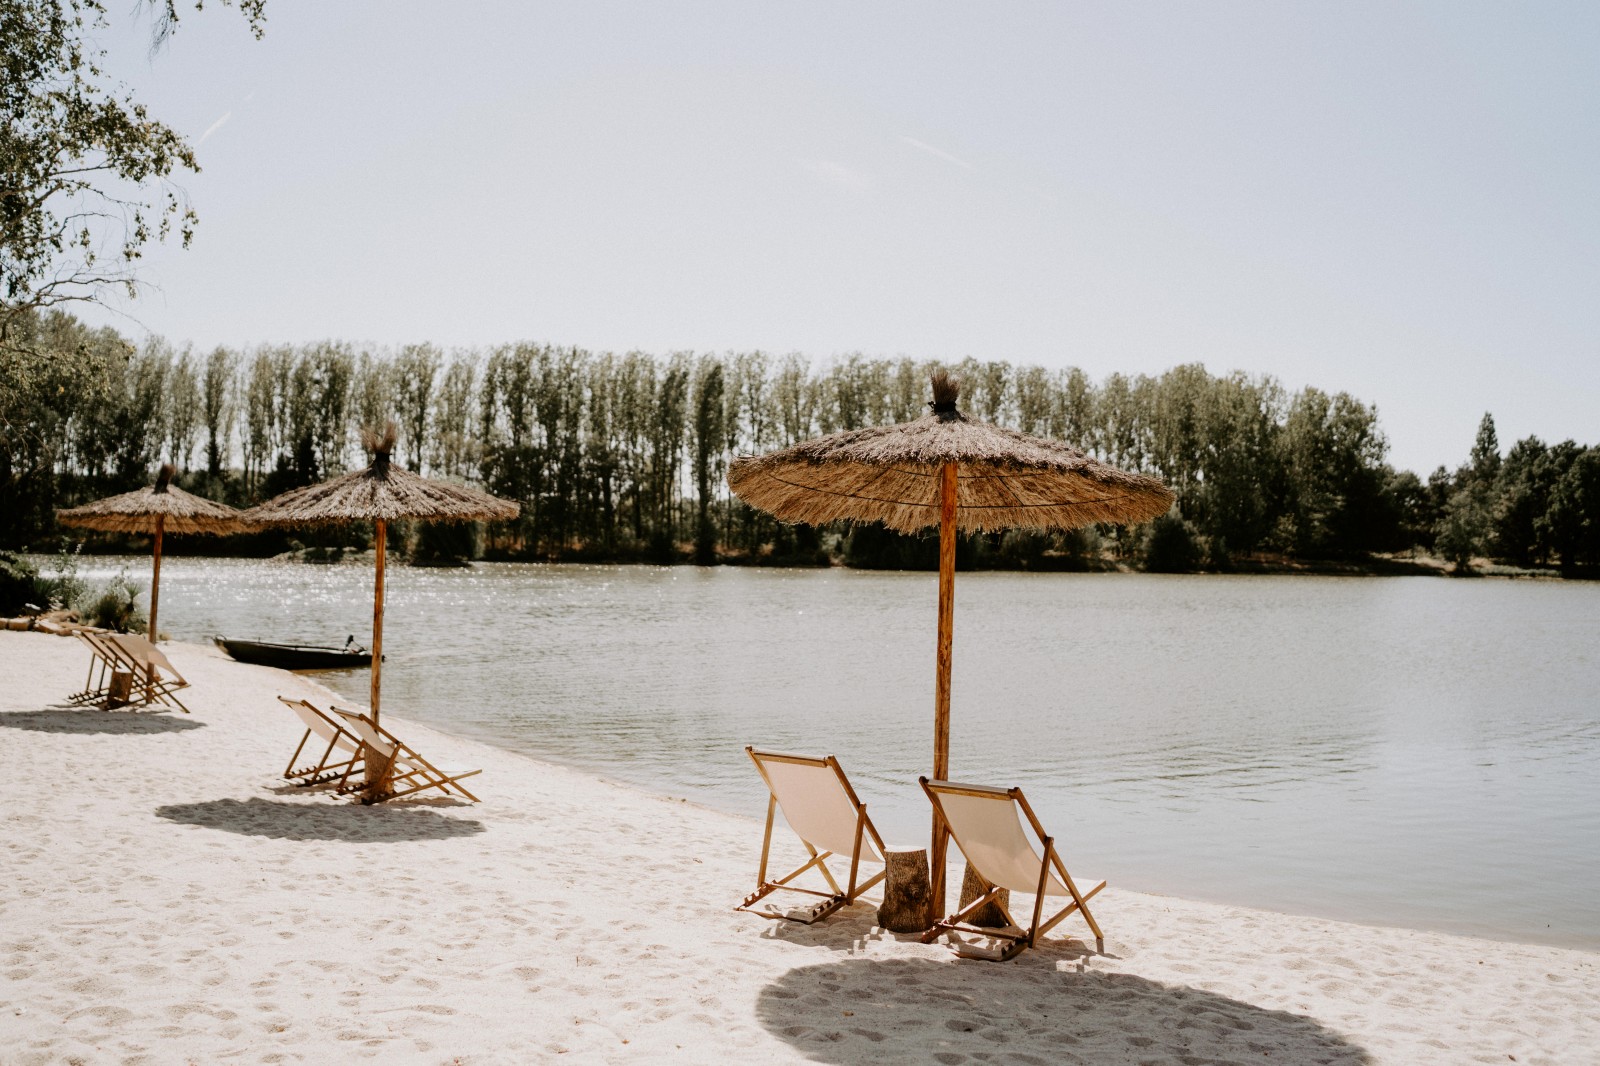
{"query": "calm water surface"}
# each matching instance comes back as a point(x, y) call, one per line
point(1400, 751)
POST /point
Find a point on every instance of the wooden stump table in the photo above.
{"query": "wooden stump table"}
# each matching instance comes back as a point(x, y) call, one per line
point(120, 691)
point(907, 893)
point(973, 886)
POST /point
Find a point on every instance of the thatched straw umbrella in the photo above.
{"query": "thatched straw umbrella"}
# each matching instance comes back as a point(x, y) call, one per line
point(951, 471)
point(380, 494)
point(162, 508)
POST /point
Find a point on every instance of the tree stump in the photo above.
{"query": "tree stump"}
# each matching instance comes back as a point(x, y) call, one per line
point(907, 894)
point(120, 692)
point(990, 916)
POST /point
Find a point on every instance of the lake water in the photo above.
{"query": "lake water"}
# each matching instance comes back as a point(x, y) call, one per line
point(1418, 752)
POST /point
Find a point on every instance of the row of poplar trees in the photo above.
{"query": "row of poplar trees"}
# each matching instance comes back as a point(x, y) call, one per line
point(623, 456)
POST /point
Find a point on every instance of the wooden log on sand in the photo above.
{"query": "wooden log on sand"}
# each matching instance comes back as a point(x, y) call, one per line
point(973, 886)
point(907, 894)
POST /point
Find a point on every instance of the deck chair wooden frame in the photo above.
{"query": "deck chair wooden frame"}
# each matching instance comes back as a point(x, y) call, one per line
point(155, 679)
point(864, 841)
point(1014, 938)
point(386, 757)
point(103, 660)
point(330, 766)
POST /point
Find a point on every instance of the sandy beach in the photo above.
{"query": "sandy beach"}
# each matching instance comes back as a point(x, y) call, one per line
point(168, 898)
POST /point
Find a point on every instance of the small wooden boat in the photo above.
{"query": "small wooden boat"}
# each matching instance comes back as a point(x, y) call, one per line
point(297, 656)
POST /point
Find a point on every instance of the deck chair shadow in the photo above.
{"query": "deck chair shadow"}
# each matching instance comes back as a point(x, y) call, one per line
point(154, 678)
point(339, 759)
point(404, 770)
point(824, 812)
point(987, 824)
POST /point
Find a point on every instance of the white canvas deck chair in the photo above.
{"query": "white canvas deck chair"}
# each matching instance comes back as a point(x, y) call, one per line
point(987, 824)
point(340, 758)
point(154, 679)
point(405, 771)
point(824, 812)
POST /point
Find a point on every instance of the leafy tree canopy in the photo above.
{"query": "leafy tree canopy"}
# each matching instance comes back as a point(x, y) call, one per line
point(84, 168)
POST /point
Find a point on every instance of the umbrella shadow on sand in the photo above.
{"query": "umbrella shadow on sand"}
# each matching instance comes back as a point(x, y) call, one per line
point(1028, 1011)
point(88, 721)
point(352, 822)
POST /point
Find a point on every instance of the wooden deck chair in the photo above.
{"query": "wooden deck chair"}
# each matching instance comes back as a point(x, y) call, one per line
point(104, 660)
point(406, 771)
point(338, 760)
point(154, 680)
point(987, 824)
point(824, 812)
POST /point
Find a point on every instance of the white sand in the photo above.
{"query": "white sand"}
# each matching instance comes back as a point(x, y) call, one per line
point(166, 899)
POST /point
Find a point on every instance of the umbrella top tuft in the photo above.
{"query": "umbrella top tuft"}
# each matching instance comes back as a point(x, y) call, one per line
point(946, 391)
point(892, 474)
point(381, 445)
point(164, 477)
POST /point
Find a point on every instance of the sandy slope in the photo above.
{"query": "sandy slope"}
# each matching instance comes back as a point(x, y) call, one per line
point(166, 899)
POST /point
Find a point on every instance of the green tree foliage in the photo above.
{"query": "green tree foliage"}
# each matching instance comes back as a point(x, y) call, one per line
point(1172, 547)
point(1332, 453)
point(1573, 520)
point(1539, 505)
point(709, 449)
point(84, 168)
point(625, 456)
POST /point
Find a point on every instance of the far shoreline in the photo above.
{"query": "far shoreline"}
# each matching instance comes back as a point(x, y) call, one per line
point(1261, 564)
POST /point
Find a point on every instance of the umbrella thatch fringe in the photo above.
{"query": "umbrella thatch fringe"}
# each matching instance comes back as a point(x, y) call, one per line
point(137, 511)
point(396, 494)
point(890, 474)
point(816, 506)
point(381, 491)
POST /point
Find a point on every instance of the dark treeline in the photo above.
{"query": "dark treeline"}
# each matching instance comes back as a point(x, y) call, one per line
point(623, 456)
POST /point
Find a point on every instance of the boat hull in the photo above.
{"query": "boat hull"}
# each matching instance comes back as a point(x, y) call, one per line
point(294, 656)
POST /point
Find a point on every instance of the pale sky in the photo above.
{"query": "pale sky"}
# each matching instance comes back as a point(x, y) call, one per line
point(1398, 200)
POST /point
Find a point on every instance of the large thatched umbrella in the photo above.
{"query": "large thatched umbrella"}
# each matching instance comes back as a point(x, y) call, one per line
point(162, 508)
point(380, 494)
point(951, 471)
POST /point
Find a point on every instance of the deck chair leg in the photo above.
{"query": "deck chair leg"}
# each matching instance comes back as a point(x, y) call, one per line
point(328, 754)
point(766, 841)
point(288, 771)
point(396, 793)
point(1038, 896)
point(855, 853)
point(766, 888)
point(1081, 901)
point(823, 868)
point(325, 774)
point(960, 916)
point(456, 784)
point(344, 780)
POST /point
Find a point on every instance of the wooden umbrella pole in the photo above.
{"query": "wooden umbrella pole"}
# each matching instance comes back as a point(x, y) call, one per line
point(155, 605)
point(941, 691)
point(374, 783)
